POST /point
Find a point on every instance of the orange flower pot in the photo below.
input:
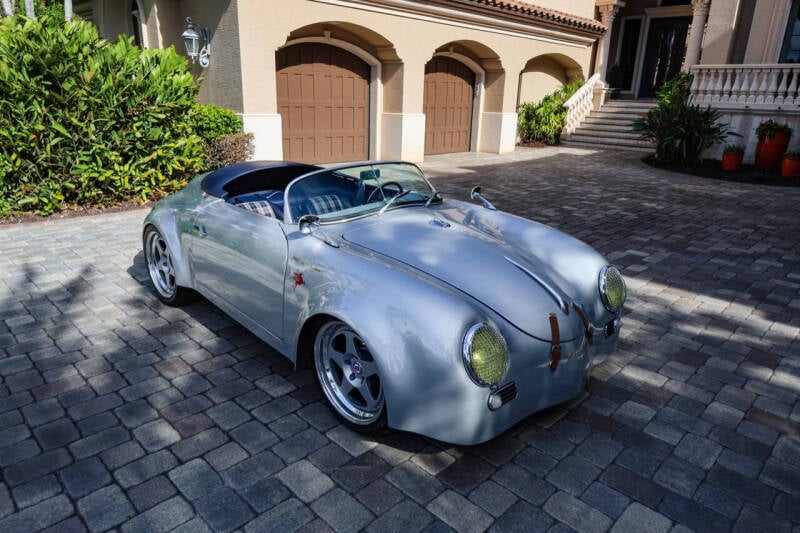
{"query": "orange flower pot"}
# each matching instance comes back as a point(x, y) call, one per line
point(731, 161)
point(769, 151)
point(790, 167)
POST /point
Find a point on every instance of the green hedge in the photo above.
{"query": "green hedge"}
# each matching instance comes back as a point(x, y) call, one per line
point(212, 122)
point(543, 121)
point(84, 121)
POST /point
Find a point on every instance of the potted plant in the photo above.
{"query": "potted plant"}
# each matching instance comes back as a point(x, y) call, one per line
point(773, 138)
point(790, 167)
point(732, 157)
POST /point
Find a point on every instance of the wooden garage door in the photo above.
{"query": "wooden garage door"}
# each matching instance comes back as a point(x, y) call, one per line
point(323, 99)
point(447, 104)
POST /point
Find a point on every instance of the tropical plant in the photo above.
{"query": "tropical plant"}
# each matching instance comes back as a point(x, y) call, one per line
point(680, 130)
point(734, 148)
point(84, 121)
point(543, 121)
point(793, 154)
point(769, 128)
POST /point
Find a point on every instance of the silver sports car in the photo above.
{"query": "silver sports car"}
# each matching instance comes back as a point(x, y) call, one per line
point(430, 315)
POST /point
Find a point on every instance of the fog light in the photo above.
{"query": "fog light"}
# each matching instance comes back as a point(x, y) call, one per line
point(495, 402)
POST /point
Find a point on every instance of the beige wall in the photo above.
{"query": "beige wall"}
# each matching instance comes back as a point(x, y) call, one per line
point(581, 8)
point(395, 37)
point(265, 26)
point(766, 31)
point(541, 76)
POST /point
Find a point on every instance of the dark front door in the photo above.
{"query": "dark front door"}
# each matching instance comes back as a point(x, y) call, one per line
point(666, 48)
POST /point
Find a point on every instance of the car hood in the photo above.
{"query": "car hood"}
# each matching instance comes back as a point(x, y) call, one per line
point(515, 283)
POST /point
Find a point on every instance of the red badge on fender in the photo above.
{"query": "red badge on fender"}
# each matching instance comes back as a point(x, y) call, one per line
point(298, 279)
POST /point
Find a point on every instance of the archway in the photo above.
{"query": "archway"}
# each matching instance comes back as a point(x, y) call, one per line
point(330, 79)
point(455, 95)
point(544, 74)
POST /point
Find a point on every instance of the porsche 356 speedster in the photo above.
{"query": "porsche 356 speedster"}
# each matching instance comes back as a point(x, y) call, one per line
point(445, 318)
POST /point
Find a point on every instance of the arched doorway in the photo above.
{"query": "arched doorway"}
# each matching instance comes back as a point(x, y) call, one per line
point(447, 104)
point(545, 74)
point(323, 100)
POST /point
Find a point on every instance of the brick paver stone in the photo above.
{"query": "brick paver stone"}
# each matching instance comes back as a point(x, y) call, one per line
point(120, 413)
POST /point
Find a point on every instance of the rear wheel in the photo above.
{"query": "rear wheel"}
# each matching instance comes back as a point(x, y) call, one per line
point(348, 377)
point(160, 266)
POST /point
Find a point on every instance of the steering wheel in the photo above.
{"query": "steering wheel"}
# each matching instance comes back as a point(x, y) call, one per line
point(392, 184)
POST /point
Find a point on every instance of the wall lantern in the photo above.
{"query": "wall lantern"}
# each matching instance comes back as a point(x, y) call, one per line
point(191, 39)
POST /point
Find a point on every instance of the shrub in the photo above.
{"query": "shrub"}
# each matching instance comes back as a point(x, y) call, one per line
point(679, 129)
point(228, 149)
point(769, 128)
point(543, 121)
point(211, 122)
point(88, 122)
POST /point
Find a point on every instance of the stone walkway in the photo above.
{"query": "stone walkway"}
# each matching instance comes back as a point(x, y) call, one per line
point(118, 412)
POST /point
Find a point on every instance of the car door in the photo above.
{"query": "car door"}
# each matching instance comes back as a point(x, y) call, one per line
point(239, 260)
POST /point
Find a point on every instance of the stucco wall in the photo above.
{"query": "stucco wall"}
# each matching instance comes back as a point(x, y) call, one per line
point(264, 27)
point(541, 76)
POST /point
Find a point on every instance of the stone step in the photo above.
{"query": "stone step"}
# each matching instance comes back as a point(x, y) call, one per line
point(630, 104)
point(603, 146)
point(607, 121)
point(630, 116)
point(606, 134)
point(613, 141)
point(602, 126)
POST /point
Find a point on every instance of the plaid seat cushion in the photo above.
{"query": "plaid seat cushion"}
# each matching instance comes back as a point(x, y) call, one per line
point(327, 203)
point(261, 207)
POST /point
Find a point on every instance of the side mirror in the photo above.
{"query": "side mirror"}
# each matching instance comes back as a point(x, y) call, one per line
point(475, 194)
point(307, 223)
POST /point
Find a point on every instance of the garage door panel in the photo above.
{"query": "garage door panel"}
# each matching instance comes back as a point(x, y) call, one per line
point(333, 99)
point(447, 104)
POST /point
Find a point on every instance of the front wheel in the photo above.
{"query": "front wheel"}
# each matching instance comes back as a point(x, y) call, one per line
point(158, 258)
point(348, 377)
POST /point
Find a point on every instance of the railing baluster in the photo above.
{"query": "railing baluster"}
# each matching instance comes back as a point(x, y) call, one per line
point(726, 87)
point(791, 92)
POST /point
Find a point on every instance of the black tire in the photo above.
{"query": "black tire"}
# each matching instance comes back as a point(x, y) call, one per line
point(158, 261)
point(348, 377)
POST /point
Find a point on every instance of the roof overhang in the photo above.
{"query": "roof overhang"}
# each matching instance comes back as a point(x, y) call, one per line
point(507, 17)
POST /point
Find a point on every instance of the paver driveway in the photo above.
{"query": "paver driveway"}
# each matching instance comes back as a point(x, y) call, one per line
point(116, 411)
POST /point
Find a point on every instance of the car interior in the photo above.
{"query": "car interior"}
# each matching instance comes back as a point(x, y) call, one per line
point(262, 191)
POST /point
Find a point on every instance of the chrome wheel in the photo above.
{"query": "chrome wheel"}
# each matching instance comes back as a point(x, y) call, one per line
point(347, 374)
point(159, 265)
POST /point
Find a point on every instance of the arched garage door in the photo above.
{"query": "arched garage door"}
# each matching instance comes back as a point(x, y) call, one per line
point(447, 104)
point(323, 99)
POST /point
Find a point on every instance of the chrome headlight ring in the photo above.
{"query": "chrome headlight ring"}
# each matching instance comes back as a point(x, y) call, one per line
point(485, 369)
point(612, 288)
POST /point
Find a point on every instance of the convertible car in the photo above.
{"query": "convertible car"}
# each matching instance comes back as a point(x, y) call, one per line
point(445, 318)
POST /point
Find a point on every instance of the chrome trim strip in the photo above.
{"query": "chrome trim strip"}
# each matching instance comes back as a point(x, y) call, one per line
point(550, 290)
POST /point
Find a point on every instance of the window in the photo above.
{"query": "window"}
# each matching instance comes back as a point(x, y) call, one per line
point(137, 24)
point(791, 41)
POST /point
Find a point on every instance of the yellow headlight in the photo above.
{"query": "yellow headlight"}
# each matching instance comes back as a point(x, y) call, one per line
point(612, 288)
point(485, 354)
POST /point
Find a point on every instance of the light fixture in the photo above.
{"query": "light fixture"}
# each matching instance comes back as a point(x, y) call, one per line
point(191, 39)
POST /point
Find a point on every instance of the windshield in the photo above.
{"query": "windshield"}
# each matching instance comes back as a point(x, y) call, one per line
point(344, 192)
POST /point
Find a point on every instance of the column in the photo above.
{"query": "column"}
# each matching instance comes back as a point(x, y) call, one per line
point(695, 40)
point(608, 11)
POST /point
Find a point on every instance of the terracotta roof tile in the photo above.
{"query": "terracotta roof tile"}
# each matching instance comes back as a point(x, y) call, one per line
point(548, 15)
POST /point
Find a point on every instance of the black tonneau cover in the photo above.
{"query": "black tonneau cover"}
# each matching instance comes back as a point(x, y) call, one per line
point(249, 176)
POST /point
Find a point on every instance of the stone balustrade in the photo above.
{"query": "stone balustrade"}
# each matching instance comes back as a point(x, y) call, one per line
point(581, 104)
point(765, 87)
